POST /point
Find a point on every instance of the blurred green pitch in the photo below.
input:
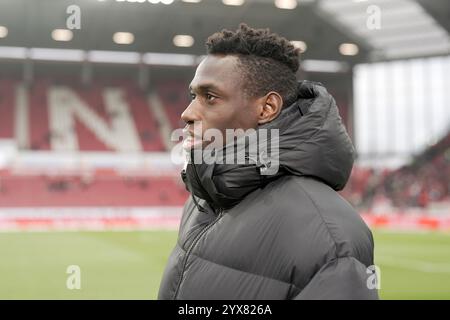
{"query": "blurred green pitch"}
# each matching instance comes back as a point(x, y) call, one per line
point(128, 265)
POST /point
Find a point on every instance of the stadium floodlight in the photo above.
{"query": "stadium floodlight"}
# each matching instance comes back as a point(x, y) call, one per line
point(123, 37)
point(300, 44)
point(191, 1)
point(330, 66)
point(183, 40)
point(348, 49)
point(233, 2)
point(62, 35)
point(166, 1)
point(286, 4)
point(3, 31)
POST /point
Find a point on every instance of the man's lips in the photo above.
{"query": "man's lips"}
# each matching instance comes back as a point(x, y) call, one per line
point(191, 140)
point(187, 132)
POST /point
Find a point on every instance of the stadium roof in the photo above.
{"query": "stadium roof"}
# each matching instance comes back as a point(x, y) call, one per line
point(332, 30)
point(405, 29)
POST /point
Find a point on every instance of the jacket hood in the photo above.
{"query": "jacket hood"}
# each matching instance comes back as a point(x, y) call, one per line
point(311, 141)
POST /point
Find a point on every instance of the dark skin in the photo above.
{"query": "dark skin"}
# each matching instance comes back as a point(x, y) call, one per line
point(219, 101)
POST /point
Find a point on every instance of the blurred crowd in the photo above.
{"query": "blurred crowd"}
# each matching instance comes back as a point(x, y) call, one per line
point(423, 182)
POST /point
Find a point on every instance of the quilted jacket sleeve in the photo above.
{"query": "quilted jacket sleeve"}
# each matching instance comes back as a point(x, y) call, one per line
point(343, 278)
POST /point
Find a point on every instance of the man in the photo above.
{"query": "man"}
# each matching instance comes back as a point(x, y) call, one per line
point(247, 235)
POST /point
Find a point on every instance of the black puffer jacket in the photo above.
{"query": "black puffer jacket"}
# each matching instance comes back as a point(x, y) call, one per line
point(287, 236)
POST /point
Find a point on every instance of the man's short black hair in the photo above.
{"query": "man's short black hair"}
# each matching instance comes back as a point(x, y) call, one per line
point(268, 61)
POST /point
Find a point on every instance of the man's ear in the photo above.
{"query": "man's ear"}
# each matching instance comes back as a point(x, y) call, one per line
point(270, 107)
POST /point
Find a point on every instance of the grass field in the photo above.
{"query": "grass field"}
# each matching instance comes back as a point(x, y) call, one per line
point(128, 265)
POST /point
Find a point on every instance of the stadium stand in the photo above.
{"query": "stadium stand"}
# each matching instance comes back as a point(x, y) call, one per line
point(420, 184)
point(174, 97)
point(105, 189)
point(415, 185)
point(6, 108)
point(39, 114)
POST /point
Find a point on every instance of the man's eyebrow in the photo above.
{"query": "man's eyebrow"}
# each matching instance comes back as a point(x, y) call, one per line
point(204, 87)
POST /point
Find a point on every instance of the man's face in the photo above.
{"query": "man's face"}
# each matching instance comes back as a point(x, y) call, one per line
point(218, 100)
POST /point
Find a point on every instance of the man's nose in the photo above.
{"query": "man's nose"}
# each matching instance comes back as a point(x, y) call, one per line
point(190, 114)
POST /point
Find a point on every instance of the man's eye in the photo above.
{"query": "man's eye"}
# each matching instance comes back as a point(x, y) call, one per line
point(210, 97)
point(192, 96)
